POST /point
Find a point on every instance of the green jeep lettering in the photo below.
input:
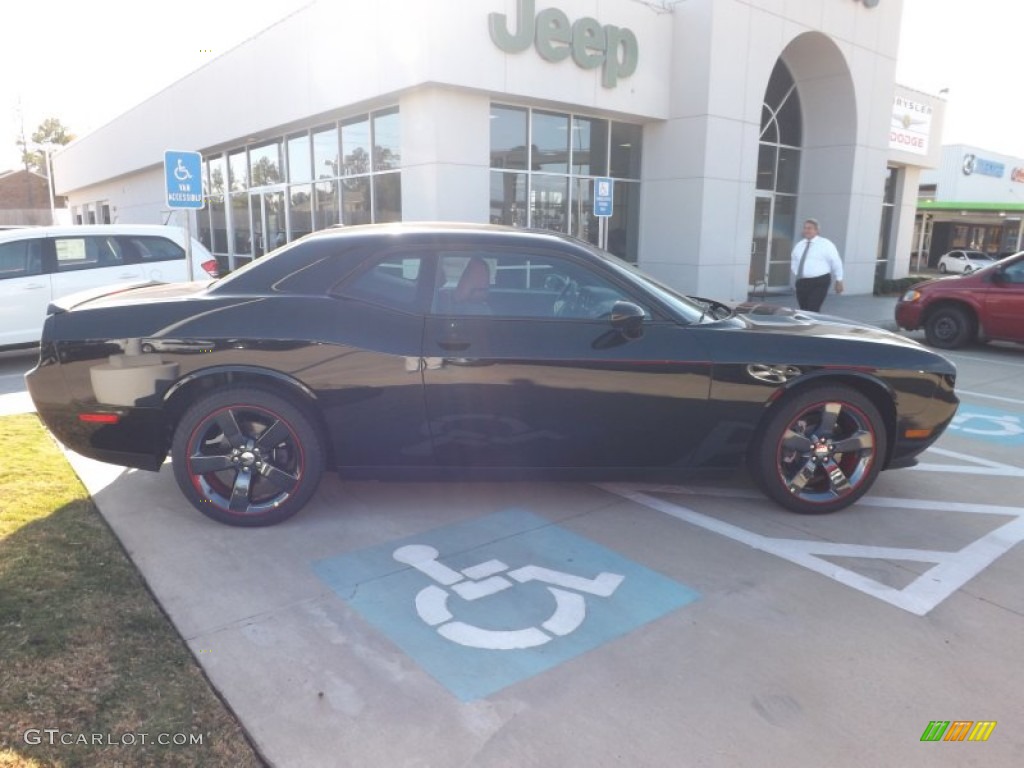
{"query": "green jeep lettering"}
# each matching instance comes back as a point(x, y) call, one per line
point(591, 45)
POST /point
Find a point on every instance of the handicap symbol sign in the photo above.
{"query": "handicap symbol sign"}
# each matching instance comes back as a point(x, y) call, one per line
point(981, 423)
point(432, 601)
point(489, 602)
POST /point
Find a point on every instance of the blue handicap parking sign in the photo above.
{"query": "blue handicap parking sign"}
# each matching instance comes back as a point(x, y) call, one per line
point(486, 603)
point(183, 179)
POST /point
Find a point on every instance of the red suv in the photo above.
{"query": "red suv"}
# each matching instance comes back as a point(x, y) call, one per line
point(987, 304)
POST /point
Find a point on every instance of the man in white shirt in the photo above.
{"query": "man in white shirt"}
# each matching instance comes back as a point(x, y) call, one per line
point(815, 261)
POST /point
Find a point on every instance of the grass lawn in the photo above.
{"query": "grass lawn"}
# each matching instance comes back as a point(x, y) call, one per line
point(84, 649)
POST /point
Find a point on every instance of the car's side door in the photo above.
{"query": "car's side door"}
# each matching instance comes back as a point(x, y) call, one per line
point(90, 261)
point(24, 291)
point(523, 367)
point(1004, 303)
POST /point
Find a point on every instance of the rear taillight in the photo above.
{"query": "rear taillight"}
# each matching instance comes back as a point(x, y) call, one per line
point(211, 267)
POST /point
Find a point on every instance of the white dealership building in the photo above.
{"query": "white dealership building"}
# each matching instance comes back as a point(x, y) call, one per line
point(721, 123)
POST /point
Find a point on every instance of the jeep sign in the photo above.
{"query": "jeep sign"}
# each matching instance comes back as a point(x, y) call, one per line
point(590, 44)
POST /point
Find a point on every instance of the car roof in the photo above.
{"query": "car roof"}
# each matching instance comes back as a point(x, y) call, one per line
point(87, 229)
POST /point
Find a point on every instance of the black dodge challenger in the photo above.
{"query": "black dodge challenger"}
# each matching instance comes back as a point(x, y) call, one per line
point(439, 346)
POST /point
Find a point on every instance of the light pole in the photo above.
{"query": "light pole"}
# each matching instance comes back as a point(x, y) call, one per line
point(49, 185)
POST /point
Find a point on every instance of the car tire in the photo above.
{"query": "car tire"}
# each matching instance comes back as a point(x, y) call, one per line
point(949, 328)
point(247, 457)
point(942, 267)
point(968, 269)
point(820, 450)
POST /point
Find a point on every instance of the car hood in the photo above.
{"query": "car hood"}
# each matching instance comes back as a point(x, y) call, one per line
point(771, 318)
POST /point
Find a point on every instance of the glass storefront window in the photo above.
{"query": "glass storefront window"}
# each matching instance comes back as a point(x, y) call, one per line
point(217, 181)
point(355, 147)
point(508, 137)
point(241, 231)
point(387, 197)
point(300, 209)
point(788, 175)
point(238, 167)
point(766, 155)
point(624, 224)
point(265, 164)
point(218, 225)
point(325, 194)
point(625, 155)
point(508, 199)
point(589, 147)
point(325, 154)
point(549, 202)
point(387, 141)
point(549, 143)
point(559, 161)
point(299, 159)
point(355, 200)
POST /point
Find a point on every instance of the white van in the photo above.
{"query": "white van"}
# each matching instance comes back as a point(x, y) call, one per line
point(39, 264)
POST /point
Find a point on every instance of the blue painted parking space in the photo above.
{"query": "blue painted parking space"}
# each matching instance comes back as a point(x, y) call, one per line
point(990, 424)
point(487, 603)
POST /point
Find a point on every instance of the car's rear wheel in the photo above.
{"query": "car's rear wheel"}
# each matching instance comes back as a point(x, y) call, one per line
point(820, 450)
point(247, 457)
point(949, 328)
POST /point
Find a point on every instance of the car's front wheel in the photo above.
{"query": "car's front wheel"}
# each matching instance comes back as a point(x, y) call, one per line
point(820, 450)
point(942, 267)
point(949, 328)
point(247, 457)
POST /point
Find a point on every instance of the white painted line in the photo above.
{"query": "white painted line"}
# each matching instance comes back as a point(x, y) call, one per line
point(976, 465)
point(1000, 398)
point(957, 355)
point(951, 570)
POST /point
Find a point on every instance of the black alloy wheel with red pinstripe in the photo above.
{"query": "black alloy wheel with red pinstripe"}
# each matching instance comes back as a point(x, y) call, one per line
point(247, 457)
point(821, 449)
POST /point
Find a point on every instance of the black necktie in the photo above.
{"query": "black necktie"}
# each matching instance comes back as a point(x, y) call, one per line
point(803, 260)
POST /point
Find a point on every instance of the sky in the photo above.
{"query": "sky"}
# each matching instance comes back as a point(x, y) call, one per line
point(88, 62)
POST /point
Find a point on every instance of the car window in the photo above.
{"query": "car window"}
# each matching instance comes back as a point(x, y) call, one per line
point(390, 282)
point(510, 284)
point(1014, 272)
point(22, 258)
point(74, 253)
point(143, 249)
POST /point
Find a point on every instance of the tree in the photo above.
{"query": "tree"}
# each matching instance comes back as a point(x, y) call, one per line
point(50, 133)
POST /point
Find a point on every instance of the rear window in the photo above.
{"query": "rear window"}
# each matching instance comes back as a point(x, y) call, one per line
point(143, 249)
point(21, 258)
point(75, 253)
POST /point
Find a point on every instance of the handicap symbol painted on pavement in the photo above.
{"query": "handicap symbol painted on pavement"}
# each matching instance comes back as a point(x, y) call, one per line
point(432, 601)
point(988, 424)
point(486, 603)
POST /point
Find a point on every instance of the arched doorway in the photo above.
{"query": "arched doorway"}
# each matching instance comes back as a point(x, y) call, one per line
point(807, 154)
point(778, 182)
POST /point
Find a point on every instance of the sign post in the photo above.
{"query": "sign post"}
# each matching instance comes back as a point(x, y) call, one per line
point(604, 199)
point(183, 181)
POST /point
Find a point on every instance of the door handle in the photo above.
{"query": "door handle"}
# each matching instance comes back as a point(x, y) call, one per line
point(453, 346)
point(33, 286)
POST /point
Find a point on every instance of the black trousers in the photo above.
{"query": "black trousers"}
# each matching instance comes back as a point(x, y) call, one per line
point(811, 292)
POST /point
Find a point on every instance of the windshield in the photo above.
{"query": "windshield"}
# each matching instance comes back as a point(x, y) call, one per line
point(685, 307)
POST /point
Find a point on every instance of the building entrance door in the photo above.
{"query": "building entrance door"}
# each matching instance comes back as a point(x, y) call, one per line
point(772, 243)
point(269, 228)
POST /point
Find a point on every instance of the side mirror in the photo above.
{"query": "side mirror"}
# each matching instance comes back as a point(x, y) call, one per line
point(998, 277)
point(627, 318)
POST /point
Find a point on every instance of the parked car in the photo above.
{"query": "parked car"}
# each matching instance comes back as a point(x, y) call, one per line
point(964, 262)
point(954, 311)
point(39, 264)
point(432, 347)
